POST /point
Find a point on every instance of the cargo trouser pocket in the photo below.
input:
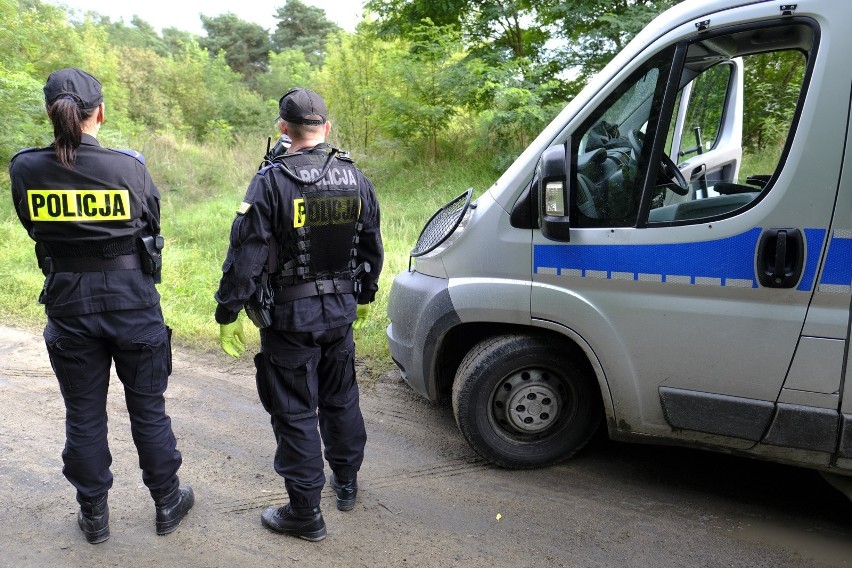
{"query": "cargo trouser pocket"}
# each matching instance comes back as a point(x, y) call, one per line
point(68, 358)
point(343, 377)
point(295, 382)
point(265, 382)
point(146, 362)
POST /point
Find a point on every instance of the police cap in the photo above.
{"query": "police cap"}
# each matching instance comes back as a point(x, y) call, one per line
point(79, 85)
point(298, 104)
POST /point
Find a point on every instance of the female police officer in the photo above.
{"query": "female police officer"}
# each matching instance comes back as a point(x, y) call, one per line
point(88, 209)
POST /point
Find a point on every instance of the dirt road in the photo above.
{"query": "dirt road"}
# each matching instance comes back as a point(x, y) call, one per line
point(426, 500)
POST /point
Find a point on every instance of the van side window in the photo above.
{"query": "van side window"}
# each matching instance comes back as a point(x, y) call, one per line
point(731, 122)
point(607, 149)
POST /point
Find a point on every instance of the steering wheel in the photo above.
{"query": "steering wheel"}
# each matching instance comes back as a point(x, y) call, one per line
point(667, 169)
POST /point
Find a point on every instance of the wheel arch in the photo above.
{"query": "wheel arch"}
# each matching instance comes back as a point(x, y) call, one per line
point(459, 340)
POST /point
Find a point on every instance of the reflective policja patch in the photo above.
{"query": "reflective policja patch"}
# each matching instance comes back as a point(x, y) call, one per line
point(79, 205)
point(299, 213)
point(243, 208)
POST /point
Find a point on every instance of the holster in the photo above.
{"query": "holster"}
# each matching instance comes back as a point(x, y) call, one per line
point(150, 253)
point(42, 258)
point(259, 305)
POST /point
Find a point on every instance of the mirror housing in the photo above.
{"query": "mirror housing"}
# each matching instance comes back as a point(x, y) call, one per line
point(554, 195)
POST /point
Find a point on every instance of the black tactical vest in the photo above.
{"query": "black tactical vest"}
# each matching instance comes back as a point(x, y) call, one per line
point(325, 219)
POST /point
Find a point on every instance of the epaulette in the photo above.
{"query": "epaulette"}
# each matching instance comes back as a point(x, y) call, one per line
point(25, 151)
point(265, 168)
point(132, 153)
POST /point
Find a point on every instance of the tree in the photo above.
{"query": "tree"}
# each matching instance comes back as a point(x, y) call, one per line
point(305, 28)
point(246, 45)
point(356, 81)
point(774, 81)
point(593, 31)
point(431, 79)
point(141, 34)
point(212, 97)
point(175, 39)
point(398, 18)
point(287, 69)
point(22, 105)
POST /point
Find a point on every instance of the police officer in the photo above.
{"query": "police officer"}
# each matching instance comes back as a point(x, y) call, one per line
point(309, 226)
point(94, 214)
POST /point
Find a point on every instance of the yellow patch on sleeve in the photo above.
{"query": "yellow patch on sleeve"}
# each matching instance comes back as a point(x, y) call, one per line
point(243, 208)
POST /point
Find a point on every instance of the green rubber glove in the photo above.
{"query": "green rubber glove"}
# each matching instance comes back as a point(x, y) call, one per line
point(232, 339)
point(361, 317)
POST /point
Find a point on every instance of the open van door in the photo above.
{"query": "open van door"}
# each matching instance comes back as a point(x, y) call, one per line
point(706, 138)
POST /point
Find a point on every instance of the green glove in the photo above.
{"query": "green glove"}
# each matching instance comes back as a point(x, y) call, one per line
point(361, 317)
point(232, 339)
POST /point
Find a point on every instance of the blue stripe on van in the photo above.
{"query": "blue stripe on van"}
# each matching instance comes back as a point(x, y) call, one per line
point(838, 261)
point(724, 262)
point(813, 241)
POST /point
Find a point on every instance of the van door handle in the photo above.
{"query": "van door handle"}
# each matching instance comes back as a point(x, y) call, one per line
point(780, 258)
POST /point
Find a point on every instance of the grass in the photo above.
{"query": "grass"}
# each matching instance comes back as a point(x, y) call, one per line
point(201, 187)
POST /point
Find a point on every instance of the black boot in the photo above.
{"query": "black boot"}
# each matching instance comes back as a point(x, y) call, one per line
point(93, 518)
point(346, 492)
point(303, 523)
point(172, 508)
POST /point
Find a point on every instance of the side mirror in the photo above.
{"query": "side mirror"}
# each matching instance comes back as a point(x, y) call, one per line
point(554, 197)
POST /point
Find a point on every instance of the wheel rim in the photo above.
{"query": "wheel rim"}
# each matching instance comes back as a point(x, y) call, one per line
point(530, 404)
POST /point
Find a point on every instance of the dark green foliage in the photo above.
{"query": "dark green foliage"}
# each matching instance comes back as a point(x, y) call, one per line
point(140, 34)
point(776, 80)
point(305, 28)
point(246, 45)
point(595, 30)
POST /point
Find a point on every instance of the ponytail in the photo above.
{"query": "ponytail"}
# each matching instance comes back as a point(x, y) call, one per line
point(67, 119)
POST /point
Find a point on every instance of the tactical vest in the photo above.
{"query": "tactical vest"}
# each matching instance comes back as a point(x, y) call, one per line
point(320, 257)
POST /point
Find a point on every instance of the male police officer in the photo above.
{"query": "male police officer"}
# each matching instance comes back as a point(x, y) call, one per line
point(309, 226)
point(94, 214)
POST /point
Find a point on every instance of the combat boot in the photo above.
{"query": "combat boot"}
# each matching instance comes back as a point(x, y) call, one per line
point(93, 518)
point(306, 523)
point(346, 492)
point(172, 508)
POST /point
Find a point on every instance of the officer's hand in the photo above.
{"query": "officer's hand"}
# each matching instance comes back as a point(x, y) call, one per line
point(361, 317)
point(232, 339)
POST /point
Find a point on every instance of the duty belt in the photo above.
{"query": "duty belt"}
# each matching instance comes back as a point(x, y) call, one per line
point(315, 288)
point(94, 263)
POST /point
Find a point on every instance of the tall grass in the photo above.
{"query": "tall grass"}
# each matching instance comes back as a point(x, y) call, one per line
point(201, 187)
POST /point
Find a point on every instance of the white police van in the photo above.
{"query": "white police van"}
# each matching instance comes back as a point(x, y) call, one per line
point(634, 267)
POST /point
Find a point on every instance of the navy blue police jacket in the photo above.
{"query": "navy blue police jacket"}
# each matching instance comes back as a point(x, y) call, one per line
point(268, 214)
point(107, 198)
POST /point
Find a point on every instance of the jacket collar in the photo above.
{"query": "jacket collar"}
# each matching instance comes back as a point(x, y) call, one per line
point(89, 140)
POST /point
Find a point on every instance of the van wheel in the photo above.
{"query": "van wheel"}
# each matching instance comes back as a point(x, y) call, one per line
point(522, 401)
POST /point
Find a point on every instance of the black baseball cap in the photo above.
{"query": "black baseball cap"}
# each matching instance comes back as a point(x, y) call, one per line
point(81, 86)
point(298, 104)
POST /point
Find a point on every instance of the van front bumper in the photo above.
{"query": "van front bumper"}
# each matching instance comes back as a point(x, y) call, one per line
point(421, 313)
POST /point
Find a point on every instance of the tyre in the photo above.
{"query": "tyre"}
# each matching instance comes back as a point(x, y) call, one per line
point(523, 401)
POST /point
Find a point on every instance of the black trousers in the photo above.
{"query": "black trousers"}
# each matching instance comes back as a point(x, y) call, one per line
point(306, 381)
point(82, 348)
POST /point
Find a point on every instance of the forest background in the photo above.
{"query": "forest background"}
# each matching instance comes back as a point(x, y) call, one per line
point(430, 98)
